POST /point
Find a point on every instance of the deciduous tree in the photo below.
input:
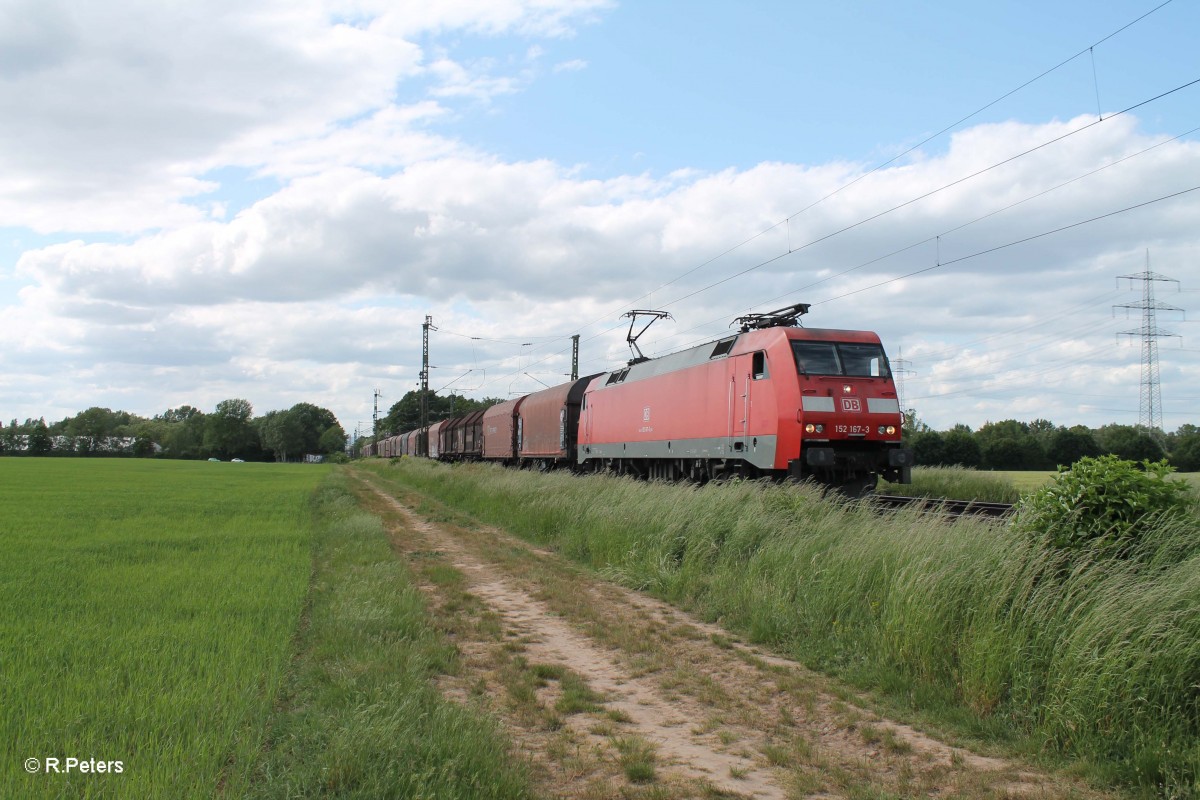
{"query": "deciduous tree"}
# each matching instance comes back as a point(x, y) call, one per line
point(228, 432)
point(40, 443)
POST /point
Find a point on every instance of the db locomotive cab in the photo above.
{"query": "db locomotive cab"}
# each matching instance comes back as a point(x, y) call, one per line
point(848, 411)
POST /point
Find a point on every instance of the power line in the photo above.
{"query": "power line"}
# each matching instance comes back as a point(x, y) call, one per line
point(911, 201)
point(913, 245)
point(1000, 247)
point(928, 194)
point(876, 168)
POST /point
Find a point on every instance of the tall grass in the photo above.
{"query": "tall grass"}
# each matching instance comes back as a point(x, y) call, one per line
point(1094, 660)
point(146, 612)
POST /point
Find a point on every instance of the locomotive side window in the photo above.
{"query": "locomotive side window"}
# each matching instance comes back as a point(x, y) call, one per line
point(759, 368)
point(840, 358)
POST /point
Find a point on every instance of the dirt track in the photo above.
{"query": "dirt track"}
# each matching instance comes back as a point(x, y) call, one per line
point(610, 693)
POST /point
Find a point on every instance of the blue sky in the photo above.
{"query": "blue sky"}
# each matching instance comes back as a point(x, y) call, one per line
point(703, 88)
point(216, 201)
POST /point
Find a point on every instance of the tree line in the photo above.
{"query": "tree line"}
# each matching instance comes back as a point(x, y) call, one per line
point(1041, 445)
point(229, 431)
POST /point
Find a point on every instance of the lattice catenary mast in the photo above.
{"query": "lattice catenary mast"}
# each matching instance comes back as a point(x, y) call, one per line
point(575, 357)
point(1150, 405)
point(425, 328)
point(375, 415)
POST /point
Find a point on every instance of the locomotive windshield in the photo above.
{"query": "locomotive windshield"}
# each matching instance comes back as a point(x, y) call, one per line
point(840, 358)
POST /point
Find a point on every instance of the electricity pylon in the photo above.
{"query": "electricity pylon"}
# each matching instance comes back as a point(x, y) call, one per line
point(1150, 405)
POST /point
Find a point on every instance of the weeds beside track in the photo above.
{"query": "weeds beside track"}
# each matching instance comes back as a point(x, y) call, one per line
point(963, 622)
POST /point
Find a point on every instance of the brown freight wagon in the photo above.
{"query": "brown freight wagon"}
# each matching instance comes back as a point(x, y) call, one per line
point(500, 431)
point(462, 439)
point(548, 425)
point(472, 431)
point(435, 442)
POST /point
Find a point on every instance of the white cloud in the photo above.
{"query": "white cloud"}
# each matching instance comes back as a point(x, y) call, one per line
point(531, 248)
point(110, 115)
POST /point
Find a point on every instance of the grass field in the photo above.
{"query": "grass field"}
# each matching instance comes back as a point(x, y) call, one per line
point(148, 611)
point(221, 630)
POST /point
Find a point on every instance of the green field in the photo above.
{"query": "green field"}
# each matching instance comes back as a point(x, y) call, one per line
point(246, 630)
point(221, 630)
point(148, 613)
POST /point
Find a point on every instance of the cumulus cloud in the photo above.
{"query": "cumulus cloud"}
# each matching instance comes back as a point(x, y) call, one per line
point(112, 115)
point(532, 248)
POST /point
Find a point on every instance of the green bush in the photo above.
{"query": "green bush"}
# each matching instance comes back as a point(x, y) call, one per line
point(1106, 505)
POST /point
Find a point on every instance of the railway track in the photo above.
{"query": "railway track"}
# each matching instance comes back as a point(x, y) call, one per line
point(954, 508)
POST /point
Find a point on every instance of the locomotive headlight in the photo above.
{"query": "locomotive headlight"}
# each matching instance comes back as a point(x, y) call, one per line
point(810, 428)
point(887, 429)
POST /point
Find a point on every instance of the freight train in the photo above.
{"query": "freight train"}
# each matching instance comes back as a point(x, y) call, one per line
point(774, 400)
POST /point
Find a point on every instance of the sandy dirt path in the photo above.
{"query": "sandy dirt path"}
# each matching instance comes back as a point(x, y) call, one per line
point(610, 693)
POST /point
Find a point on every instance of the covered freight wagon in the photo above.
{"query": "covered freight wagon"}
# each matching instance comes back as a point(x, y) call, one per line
point(548, 424)
point(500, 431)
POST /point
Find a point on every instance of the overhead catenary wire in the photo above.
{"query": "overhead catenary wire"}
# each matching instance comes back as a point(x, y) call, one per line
point(980, 253)
point(927, 195)
point(793, 292)
point(1089, 49)
point(1014, 243)
point(909, 202)
point(1000, 247)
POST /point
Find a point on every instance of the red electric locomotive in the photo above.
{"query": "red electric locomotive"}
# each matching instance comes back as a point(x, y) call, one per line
point(773, 400)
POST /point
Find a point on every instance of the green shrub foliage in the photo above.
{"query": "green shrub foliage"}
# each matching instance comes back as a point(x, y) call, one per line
point(1106, 505)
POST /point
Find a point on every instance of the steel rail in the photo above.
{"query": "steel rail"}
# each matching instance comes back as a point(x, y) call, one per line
point(954, 508)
